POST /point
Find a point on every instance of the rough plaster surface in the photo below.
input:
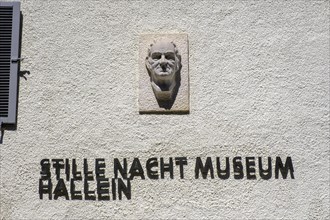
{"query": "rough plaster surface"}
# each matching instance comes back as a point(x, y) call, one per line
point(259, 86)
point(147, 100)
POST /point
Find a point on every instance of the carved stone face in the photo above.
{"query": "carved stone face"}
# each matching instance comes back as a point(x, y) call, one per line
point(163, 64)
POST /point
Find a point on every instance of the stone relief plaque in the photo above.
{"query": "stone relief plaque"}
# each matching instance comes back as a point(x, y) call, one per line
point(163, 74)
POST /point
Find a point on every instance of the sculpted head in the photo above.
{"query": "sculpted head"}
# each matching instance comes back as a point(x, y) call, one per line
point(163, 64)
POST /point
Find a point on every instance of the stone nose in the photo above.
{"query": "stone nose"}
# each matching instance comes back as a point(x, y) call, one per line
point(163, 61)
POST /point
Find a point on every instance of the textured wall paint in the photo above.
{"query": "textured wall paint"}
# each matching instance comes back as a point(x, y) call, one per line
point(259, 86)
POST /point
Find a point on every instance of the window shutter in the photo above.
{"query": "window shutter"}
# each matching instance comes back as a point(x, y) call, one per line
point(9, 58)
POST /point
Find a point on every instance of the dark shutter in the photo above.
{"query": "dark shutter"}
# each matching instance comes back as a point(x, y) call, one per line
point(9, 52)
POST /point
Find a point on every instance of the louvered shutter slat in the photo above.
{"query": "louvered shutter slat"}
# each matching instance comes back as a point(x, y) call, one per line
point(5, 47)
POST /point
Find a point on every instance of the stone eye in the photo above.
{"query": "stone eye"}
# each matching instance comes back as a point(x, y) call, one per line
point(156, 56)
point(169, 57)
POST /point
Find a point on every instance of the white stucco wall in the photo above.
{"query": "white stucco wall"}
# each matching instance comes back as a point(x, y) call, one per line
point(259, 86)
